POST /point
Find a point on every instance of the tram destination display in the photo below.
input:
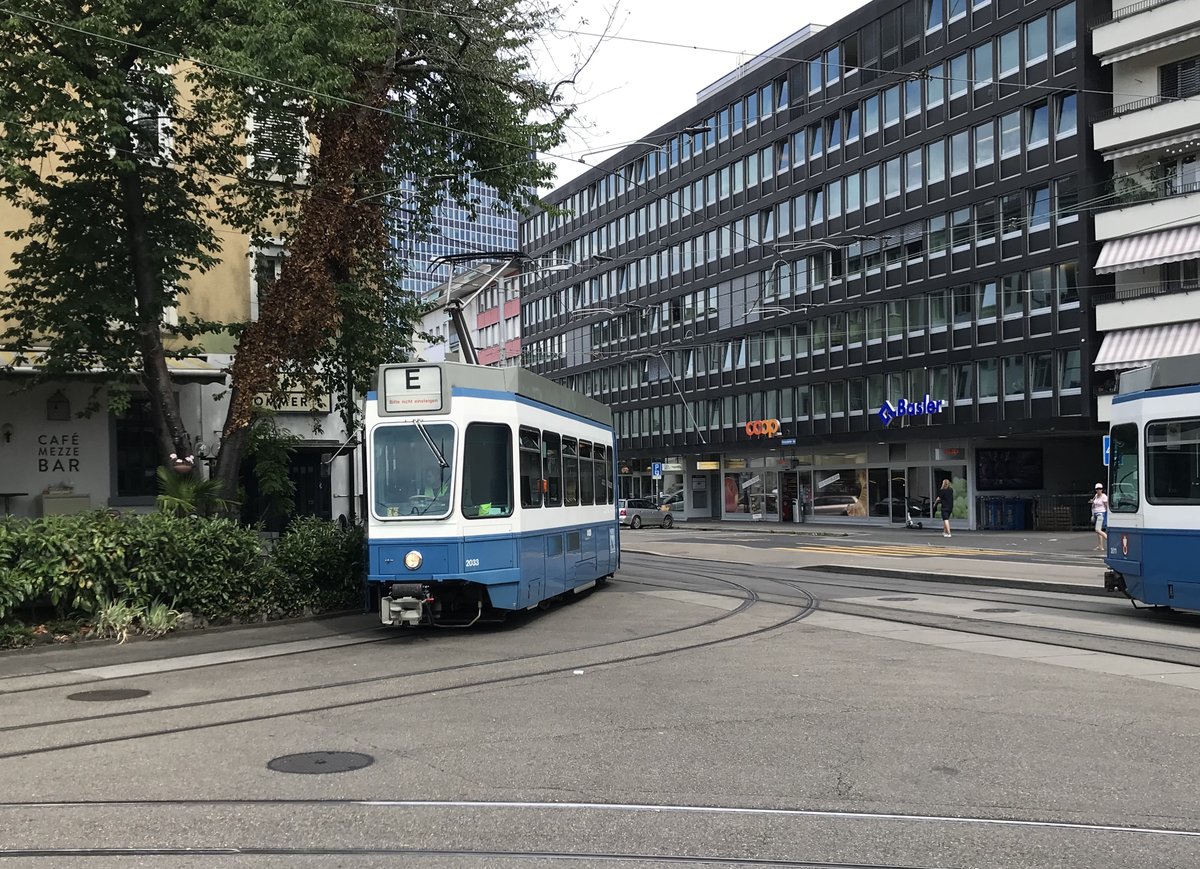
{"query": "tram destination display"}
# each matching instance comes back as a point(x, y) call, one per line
point(412, 389)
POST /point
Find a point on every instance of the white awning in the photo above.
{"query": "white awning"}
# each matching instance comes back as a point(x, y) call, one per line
point(1155, 248)
point(1133, 348)
point(1147, 47)
point(185, 368)
point(1152, 145)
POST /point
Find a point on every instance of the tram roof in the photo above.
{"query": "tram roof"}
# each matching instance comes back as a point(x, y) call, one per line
point(517, 381)
point(1162, 374)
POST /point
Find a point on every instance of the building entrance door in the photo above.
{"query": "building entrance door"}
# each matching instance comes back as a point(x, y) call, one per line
point(898, 494)
point(789, 490)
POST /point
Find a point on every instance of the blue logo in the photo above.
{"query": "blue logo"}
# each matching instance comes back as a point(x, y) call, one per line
point(1107, 450)
point(656, 470)
point(904, 407)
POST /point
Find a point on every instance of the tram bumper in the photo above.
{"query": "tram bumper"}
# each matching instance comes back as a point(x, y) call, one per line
point(404, 606)
point(1114, 581)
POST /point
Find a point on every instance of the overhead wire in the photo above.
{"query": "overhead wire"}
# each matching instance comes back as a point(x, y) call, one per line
point(664, 43)
point(321, 95)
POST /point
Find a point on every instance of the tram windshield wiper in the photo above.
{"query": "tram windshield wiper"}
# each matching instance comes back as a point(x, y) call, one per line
point(433, 448)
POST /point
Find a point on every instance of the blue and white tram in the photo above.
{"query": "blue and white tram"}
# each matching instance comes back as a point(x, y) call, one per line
point(490, 490)
point(1153, 551)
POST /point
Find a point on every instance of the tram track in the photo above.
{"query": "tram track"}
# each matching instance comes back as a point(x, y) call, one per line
point(1067, 638)
point(748, 598)
point(589, 858)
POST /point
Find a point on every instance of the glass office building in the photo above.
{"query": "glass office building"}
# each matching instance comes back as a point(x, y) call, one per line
point(859, 266)
point(454, 232)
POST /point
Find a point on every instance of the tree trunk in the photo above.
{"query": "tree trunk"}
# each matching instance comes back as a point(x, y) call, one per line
point(168, 423)
point(228, 469)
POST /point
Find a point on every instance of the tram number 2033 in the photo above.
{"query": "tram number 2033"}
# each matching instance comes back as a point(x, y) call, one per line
point(472, 562)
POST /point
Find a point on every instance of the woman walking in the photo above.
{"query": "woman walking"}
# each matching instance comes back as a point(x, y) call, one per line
point(1100, 517)
point(946, 499)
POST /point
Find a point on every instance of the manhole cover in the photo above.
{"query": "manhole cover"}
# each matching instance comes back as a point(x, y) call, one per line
point(109, 694)
point(897, 598)
point(318, 762)
point(996, 609)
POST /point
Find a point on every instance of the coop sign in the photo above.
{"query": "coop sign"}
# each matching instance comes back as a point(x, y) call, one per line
point(904, 407)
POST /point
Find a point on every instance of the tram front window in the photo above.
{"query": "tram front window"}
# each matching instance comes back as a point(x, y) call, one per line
point(410, 482)
point(487, 490)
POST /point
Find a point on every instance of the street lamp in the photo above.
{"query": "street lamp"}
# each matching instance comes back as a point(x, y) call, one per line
point(658, 146)
point(405, 188)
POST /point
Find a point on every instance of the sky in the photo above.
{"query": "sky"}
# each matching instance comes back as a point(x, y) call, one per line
point(629, 88)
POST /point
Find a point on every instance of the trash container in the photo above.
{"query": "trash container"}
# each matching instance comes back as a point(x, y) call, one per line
point(993, 513)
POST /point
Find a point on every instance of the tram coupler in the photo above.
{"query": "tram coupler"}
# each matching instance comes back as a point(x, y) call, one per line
point(1114, 581)
point(404, 606)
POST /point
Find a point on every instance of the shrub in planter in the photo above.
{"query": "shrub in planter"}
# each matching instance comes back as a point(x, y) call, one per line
point(213, 567)
point(320, 562)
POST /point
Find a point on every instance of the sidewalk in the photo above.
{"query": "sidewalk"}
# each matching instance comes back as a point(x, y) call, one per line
point(1064, 562)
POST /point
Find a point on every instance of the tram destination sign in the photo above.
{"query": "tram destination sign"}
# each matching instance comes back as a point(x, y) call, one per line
point(414, 389)
point(905, 407)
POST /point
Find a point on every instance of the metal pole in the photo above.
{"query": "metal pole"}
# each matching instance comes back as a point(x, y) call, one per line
point(679, 392)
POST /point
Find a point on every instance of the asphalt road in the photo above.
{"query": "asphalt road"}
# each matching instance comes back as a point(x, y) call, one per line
point(690, 713)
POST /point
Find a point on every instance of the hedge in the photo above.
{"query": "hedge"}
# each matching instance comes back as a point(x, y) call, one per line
point(214, 568)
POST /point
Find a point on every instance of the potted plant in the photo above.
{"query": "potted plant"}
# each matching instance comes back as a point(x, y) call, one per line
point(183, 464)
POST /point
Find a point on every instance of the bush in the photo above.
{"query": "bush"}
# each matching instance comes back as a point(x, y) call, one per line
point(320, 563)
point(213, 568)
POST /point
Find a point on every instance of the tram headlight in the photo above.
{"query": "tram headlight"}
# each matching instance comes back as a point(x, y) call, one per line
point(413, 560)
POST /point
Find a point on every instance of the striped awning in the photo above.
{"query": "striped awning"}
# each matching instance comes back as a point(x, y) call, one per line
point(1147, 47)
point(1152, 145)
point(186, 368)
point(1133, 348)
point(1155, 248)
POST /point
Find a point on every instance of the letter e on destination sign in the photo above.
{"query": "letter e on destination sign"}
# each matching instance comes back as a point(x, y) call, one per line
point(410, 390)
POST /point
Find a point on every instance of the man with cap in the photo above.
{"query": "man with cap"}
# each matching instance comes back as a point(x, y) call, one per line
point(1099, 516)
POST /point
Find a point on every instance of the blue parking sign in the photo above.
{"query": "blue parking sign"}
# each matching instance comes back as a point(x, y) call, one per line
point(656, 470)
point(1107, 450)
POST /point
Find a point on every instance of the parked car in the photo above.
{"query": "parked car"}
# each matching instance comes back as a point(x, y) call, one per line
point(636, 512)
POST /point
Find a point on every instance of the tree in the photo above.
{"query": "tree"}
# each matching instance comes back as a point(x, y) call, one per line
point(124, 139)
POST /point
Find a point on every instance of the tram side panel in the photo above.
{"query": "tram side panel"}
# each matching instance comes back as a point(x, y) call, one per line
point(1153, 550)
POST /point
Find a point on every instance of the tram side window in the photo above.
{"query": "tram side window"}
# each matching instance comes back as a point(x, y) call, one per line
point(1123, 491)
point(570, 472)
point(599, 457)
point(552, 468)
point(1173, 462)
point(587, 479)
point(608, 473)
point(487, 471)
point(531, 467)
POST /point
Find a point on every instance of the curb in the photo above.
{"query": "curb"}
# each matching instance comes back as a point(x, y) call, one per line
point(918, 576)
point(961, 578)
point(736, 527)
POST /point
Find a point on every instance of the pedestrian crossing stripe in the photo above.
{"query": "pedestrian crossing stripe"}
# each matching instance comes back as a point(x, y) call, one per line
point(891, 551)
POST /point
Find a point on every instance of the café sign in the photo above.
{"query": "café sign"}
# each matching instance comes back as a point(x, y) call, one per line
point(293, 401)
point(905, 407)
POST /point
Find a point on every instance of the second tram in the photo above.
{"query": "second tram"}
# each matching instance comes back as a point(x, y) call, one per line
point(1153, 551)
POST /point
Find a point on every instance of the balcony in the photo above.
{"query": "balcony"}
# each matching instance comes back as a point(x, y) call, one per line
point(1127, 309)
point(1154, 117)
point(1149, 207)
point(1145, 25)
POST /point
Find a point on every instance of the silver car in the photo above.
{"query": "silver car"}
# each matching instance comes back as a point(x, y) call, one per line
point(636, 512)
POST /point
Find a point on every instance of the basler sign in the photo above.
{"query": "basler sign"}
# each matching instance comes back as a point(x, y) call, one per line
point(904, 407)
